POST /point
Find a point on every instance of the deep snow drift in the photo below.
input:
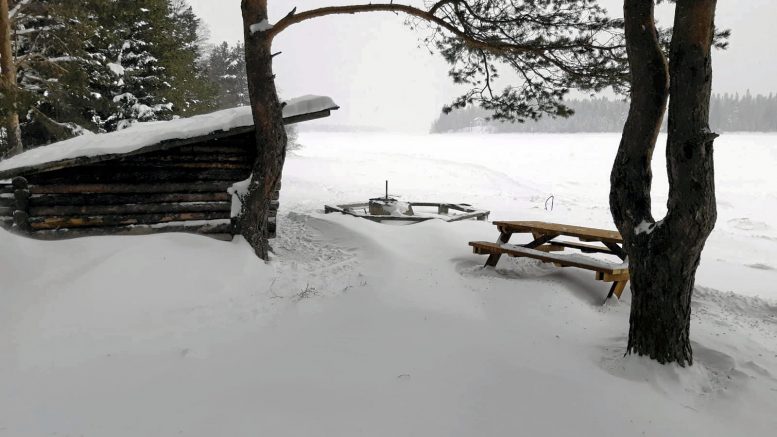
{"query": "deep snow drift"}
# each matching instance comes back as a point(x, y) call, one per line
point(358, 328)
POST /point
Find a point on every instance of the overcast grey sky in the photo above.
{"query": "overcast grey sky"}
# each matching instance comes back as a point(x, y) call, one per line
point(372, 65)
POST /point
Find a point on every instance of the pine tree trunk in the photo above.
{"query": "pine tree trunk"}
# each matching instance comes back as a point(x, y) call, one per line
point(270, 132)
point(8, 86)
point(664, 256)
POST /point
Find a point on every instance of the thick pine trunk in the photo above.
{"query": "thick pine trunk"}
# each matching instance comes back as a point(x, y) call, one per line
point(664, 256)
point(270, 131)
point(8, 86)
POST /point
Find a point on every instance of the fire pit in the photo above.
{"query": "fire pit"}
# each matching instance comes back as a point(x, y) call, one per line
point(389, 209)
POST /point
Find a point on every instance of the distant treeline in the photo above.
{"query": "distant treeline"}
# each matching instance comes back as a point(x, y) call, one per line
point(728, 113)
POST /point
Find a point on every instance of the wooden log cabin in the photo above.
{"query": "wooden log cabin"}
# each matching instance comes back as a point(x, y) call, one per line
point(172, 176)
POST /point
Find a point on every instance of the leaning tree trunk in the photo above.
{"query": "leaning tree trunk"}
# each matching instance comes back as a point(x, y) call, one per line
point(663, 256)
point(270, 132)
point(8, 86)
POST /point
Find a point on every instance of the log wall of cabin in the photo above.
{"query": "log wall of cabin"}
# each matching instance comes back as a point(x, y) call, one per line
point(7, 205)
point(182, 189)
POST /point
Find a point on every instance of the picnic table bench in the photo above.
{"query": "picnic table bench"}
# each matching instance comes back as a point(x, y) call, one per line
point(545, 244)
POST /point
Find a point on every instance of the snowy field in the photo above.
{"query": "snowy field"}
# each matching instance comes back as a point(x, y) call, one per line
point(363, 329)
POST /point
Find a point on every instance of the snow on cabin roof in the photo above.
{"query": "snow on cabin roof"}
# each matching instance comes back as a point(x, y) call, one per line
point(95, 147)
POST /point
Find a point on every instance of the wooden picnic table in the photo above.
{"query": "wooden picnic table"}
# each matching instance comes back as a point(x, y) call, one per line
point(545, 242)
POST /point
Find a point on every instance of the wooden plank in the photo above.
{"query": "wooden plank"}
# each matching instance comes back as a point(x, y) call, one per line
point(179, 187)
point(125, 199)
point(585, 248)
point(483, 247)
point(219, 148)
point(617, 288)
point(92, 175)
point(153, 166)
point(222, 231)
point(189, 157)
point(493, 257)
point(56, 222)
point(549, 248)
point(143, 208)
point(307, 117)
point(480, 215)
point(609, 277)
point(616, 249)
point(592, 234)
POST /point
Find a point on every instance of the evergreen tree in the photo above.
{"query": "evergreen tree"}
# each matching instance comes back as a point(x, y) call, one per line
point(104, 64)
point(728, 113)
point(226, 67)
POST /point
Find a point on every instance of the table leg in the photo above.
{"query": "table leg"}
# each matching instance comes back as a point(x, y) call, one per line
point(493, 259)
point(617, 289)
point(616, 249)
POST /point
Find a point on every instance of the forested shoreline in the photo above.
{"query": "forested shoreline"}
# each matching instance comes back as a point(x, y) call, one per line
point(728, 113)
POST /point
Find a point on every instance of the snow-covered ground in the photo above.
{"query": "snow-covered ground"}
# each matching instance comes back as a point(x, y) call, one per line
point(363, 329)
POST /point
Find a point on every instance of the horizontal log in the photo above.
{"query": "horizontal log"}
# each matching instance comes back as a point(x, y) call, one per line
point(88, 175)
point(6, 222)
point(191, 157)
point(125, 199)
point(143, 208)
point(6, 211)
point(275, 205)
point(7, 202)
point(158, 166)
point(184, 187)
point(57, 222)
point(6, 188)
point(221, 149)
point(217, 229)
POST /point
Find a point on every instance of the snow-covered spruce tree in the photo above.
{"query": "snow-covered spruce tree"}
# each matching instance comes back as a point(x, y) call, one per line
point(154, 53)
point(73, 72)
point(45, 50)
point(180, 54)
point(553, 45)
point(226, 68)
point(664, 255)
point(141, 83)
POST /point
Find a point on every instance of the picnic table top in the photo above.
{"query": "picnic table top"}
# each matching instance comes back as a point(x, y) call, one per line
point(581, 232)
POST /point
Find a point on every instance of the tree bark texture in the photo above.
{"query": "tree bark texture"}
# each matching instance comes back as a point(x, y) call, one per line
point(10, 121)
point(664, 256)
point(270, 132)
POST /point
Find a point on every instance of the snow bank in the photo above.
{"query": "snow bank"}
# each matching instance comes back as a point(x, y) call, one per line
point(141, 135)
point(358, 328)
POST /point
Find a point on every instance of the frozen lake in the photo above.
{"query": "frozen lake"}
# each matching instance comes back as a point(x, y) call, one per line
point(514, 174)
